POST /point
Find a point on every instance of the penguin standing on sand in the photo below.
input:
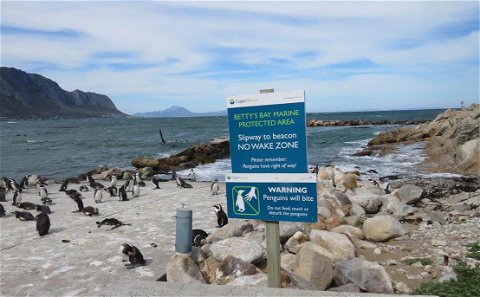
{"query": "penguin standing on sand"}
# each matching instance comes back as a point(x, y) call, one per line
point(112, 190)
point(24, 181)
point(43, 192)
point(2, 210)
point(129, 185)
point(98, 195)
point(136, 189)
point(64, 185)
point(222, 218)
point(17, 196)
point(215, 187)
point(113, 180)
point(43, 224)
point(122, 193)
point(77, 198)
point(2, 194)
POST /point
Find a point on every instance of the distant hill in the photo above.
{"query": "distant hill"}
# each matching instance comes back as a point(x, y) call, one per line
point(25, 95)
point(178, 111)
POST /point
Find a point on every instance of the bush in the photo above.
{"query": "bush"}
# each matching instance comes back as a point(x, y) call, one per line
point(467, 284)
point(474, 250)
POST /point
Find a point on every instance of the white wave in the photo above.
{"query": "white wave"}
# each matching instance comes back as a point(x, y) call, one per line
point(439, 175)
point(31, 141)
point(209, 172)
point(12, 122)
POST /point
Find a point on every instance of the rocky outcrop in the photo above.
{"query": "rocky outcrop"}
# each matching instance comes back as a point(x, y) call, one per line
point(188, 158)
point(329, 123)
point(26, 95)
point(238, 247)
point(453, 141)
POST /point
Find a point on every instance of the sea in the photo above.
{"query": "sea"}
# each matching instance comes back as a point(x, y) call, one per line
point(60, 148)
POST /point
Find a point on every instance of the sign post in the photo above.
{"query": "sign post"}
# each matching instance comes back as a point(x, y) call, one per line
point(269, 179)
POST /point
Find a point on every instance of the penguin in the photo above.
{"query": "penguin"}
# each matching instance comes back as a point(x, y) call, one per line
point(64, 185)
point(113, 180)
point(192, 175)
point(98, 195)
point(197, 236)
point(23, 215)
point(27, 205)
point(24, 182)
point(136, 189)
point(43, 224)
point(90, 211)
point(122, 193)
point(83, 188)
point(43, 209)
point(43, 192)
point(215, 187)
point(112, 190)
point(77, 198)
point(133, 254)
point(14, 186)
point(17, 196)
point(181, 182)
point(112, 222)
point(71, 192)
point(2, 210)
point(155, 182)
point(46, 201)
point(92, 183)
point(129, 185)
point(222, 218)
point(2, 194)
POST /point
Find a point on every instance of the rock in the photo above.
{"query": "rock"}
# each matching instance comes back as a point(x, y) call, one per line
point(288, 229)
point(350, 231)
point(257, 236)
point(332, 222)
point(183, 269)
point(231, 268)
point(233, 228)
point(324, 212)
point(209, 269)
point(255, 280)
point(369, 276)
point(377, 251)
point(438, 242)
point(349, 182)
point(382, 228)
point(198, 255)
point(348, 288)
point(238, 247)
point(370, 203)
point(101, 168)
point(353, 221)
point(314, 264)
point(146, 172)
point(363, 244)
point(432, 217)
point(337, 244)
point(402, 288)
point(206, 249)
point(127, 175)
point(287, 261)
point(390, 204)
point(295, 242)
point(409, 193)
point(293, 281)
point(144, 161)
point(356, 210)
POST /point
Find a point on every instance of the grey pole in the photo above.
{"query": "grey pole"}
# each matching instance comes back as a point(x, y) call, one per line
point(183, 234)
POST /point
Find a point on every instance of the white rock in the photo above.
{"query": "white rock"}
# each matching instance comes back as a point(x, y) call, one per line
point(382, 228)
point(238, 247)
point(314, 264)
point(339, 245)
point(352, 232)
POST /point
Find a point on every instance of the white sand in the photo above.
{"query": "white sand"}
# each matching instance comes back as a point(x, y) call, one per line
point(44, 266)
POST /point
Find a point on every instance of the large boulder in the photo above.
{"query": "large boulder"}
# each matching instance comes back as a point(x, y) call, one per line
point(238, 247)
point(231, 268)
point(183, 269)
point(314, 264)
point(350, 231)
point(339, 245)
point(391, 205)
point(287, 261)
point(234, 228)
point(143, 161)
point(287, 229)
point(382, 228)
point(370, 203)
point(209, 269)
point(369, 276)
point(409, 193)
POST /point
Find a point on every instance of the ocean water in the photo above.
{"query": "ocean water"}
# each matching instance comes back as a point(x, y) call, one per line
point(64, 148)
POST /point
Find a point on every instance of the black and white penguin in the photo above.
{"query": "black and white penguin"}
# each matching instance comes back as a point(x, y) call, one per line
point(113, 180)
point(98, 195)
point(17, 196)
point(64, 186)
point(155, 182)
point(222, 218)
point(129, 185)
point(2, 194)
point(2, 210)
point(43, 191)
point(90, 211)
point(136, 189)
point(181, 182)
point(215, 187)
point(27, 205)
point(83, 188)
point(14, 186)
point(197, 236)
point(112, 190)
point(43, 224)
point(133, 254)
point(77, 198)
point(43, 209)
point(92, 183)
point(122, 193)
point(192, 175)
point(24, 182)
point(112, 222)
point(23, 215)
point(46, 201)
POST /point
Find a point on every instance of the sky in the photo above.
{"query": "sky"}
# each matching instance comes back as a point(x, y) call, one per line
point(347, 56)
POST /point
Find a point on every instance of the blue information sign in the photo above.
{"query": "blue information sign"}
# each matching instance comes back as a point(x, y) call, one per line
point(272, 197)
point(267, 133)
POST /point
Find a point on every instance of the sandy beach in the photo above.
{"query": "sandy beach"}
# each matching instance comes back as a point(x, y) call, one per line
point(45, 266)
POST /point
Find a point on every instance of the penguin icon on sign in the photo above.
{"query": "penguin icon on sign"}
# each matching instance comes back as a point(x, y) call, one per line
point(245, 200)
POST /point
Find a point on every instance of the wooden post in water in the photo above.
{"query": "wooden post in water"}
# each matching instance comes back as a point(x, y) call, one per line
point(273, 244)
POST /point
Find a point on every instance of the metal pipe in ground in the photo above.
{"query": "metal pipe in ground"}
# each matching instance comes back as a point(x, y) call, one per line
point(183, 232)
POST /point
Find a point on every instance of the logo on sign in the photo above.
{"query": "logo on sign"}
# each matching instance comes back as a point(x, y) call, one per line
point(246, 201)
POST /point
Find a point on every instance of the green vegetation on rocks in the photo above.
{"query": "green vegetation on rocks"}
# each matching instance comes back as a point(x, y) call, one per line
point(474, 250)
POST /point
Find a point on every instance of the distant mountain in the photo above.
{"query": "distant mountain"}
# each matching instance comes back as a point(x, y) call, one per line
point(178, 111)
point(25, 95)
